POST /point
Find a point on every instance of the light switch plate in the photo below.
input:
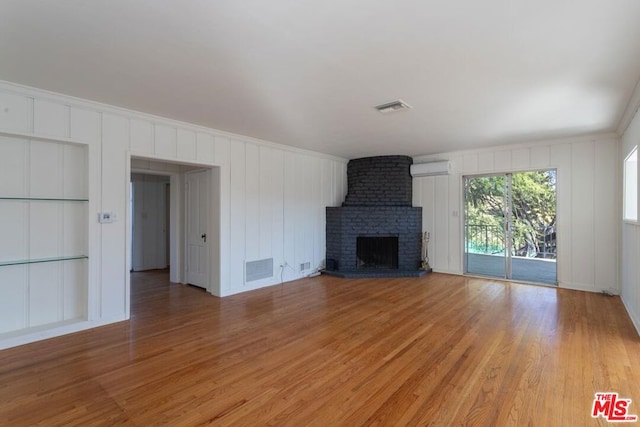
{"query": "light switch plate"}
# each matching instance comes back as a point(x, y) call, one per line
point(106, 217)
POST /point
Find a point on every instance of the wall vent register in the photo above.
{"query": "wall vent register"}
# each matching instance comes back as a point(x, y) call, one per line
point(257, 270)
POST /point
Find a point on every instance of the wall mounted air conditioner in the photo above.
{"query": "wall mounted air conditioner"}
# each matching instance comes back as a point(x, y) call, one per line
point(431, 168)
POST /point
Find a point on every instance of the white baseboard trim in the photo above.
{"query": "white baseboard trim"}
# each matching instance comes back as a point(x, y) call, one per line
point(588, 287)
point(27, 336)
point(578, 287)
point(634, 319)
point(443, 271)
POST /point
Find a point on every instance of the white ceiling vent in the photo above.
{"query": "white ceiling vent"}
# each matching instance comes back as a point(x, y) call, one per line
point(393, 106)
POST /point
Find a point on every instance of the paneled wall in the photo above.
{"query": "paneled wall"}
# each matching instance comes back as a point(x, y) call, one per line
point(270, 199)
point(588, 205)
point(630, 258)
point(276, 208)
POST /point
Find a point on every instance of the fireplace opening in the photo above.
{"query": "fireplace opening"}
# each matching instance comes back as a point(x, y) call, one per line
point(377, 252)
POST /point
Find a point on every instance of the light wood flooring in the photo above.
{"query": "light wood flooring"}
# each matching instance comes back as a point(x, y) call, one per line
point(440, 350)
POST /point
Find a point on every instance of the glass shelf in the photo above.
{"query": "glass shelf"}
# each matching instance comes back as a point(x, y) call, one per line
point(44, 199)
point(36, 261)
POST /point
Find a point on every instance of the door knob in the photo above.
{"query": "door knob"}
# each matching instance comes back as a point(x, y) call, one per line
point(204, 236)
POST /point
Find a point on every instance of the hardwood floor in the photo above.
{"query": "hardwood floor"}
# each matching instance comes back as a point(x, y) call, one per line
point(439, 350)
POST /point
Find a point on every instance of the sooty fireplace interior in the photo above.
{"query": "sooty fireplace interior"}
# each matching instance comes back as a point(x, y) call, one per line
point(376, 232)
point(377, 252)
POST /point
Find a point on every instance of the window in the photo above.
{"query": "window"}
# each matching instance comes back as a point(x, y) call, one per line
point(631, 186)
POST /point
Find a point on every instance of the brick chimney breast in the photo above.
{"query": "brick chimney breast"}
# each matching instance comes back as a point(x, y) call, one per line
point(378, 204)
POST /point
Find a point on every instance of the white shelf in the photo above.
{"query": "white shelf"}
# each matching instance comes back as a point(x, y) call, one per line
point(36, 261)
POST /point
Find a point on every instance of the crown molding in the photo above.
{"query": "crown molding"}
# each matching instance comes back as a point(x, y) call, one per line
point(630, 110)
point(43, 94)
point(605, 136)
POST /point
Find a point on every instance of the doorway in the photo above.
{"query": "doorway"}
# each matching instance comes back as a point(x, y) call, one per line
point(151, 218)
point(510, 228)
point(177, 213)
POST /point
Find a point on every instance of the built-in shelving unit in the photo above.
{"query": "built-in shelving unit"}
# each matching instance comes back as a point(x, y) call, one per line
point(44, 208)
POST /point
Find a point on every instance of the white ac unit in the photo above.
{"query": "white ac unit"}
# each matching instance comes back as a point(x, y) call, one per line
point(431, 168)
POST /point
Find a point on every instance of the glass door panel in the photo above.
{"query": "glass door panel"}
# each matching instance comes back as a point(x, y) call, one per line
point(533, 227)
point(484, 225)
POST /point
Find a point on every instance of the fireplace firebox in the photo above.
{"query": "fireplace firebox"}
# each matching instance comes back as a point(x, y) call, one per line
point(377, 252)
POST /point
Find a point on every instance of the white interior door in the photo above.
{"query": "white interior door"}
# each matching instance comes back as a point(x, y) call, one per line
point(197, 201)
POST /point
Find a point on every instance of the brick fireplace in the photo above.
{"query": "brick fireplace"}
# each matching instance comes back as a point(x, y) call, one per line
point(376, 232)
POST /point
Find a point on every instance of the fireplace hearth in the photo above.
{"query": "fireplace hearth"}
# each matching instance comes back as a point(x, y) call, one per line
point(376, 232)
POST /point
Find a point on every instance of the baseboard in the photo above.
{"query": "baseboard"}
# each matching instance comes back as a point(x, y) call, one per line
point(27, 336)
point(443, 271)
point(634, 319)
point(579, 287)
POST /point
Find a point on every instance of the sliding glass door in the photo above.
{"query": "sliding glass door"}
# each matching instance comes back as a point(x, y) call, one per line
point(485, 225)
point(510, 226)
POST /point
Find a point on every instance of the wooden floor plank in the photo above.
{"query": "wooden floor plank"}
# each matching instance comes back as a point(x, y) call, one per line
point(438, 350)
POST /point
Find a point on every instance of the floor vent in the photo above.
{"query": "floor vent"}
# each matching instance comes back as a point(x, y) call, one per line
point(260, 269)
point(305, 266)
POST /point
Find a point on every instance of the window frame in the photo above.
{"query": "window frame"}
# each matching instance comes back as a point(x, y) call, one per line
point(625, 189)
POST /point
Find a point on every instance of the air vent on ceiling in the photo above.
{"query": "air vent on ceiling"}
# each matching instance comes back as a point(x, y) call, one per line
point(393, 106)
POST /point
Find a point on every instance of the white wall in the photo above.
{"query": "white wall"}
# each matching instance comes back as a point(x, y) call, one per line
point(630, 259)
point(587, 211)
point(272, 198)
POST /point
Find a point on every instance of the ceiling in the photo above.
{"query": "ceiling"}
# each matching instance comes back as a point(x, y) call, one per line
point(308, 73)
